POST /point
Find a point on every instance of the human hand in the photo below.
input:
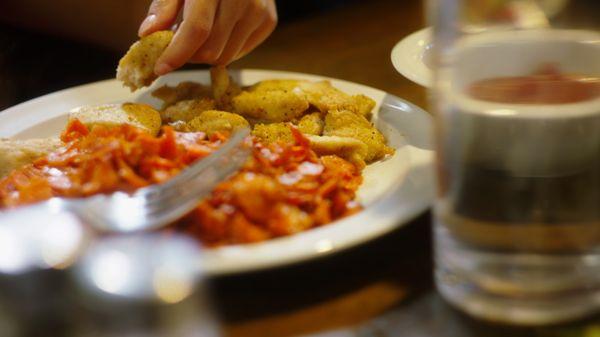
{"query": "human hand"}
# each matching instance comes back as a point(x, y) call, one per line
point(212, 31)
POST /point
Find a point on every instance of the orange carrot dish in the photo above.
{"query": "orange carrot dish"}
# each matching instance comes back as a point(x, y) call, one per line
point(284, 188)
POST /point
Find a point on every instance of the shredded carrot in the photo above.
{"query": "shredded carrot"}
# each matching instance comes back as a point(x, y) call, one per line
point(103, 160)
point(284, 188)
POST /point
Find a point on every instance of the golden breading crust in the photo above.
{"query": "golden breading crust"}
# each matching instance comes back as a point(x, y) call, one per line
point(183, 91)
point(326, 97)
point(136, 68)
point(344, 123)
point(187, 110)
point(180, 126)
point(348, 148)
point(277, 84)
point(224, 87)
point(271, 133)
point(142, 116)
point(15, 154)
point(311, 124)
point(212, 121)
point(270, 106)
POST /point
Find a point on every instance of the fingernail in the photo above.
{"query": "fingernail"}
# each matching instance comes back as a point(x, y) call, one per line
point(146, 24)
point(162, 68)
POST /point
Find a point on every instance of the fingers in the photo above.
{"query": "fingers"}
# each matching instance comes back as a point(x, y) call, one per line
point(212, 31)
point(228, 13)
point(224, 45)
point(198, 17)
point(260, 34)
point(161, 15)
point(252, 19)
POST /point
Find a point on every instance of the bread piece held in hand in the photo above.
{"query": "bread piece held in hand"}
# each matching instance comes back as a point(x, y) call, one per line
point(136, 68)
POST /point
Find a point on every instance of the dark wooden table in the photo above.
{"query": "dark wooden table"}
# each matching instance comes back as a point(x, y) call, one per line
point(383, 288)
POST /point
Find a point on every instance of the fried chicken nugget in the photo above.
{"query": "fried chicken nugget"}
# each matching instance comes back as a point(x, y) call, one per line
point(136, 68)
point(274, 132)
point(311, 124)
point(142, 116)
point(276, 84)
point(345, 123)
point(326, 97)
point(183, 91)
point(351, 149)
point(187, 110)
point(15, 154)
point(212, 121)
point(270, 106)
point(224, 87)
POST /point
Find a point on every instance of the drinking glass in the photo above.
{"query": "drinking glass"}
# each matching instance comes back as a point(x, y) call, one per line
point(517, 108)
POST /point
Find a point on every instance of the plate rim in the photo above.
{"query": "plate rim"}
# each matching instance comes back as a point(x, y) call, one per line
point(404, 53)
point(213, 264)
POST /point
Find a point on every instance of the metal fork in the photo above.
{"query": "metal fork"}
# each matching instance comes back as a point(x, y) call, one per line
point(148, 208)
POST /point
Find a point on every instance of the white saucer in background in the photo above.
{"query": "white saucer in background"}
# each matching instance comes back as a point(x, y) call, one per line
point(410, 57)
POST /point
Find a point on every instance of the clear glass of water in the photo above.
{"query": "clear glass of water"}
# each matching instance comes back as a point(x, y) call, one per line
point(517, 106)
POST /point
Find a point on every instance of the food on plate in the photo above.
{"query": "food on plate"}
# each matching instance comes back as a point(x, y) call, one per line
point(284, 189)
point(103, 160)
point(345, 123)
point(273, 133)
point(270, 106)
point(304, 172)
point(181, 92)
point(316, 108)
point(310, 142)
point(136, 68)
point(215, 121)
point(186, 110)
point(224, 88)
point(17, 153)
point(311, 124)
point(348, 148)
point(142, 116)
point(326, 97)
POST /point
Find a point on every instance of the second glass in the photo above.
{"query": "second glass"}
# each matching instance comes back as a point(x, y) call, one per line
point(517, 219)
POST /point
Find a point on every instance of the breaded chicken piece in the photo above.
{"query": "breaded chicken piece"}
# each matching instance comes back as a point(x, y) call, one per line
point(142, 116)
point(212, 121)
point(326, 97)
point(276, 84)
point(271, 133)
point(224, 87)
point(15, 154)
point(270, 106)
point(364, 105)
point(183, 91)
point(136, 68)
point(351, 149)
point(187, 110)
point(344, 123)
point(311, 124)
point(180, 126)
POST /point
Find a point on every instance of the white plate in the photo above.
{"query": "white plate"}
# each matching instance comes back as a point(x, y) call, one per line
point(394, 190)
point(410, 57)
